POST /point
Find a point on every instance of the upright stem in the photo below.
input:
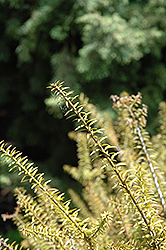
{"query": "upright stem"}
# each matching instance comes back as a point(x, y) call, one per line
point(151, 167)
point(154, 176)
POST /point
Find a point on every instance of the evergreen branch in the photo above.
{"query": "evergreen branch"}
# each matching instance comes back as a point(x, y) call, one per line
point(37, 183)
point(40, 224)
point(136, 126)
point(82, 117)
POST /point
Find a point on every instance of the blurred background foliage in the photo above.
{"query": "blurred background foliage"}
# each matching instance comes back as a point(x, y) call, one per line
point(99, 47)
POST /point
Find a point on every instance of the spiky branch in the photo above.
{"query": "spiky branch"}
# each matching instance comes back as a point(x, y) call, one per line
point(82, 117)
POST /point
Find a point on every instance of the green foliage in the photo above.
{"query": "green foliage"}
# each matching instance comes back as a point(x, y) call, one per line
point(125, 33)
point(121, 170)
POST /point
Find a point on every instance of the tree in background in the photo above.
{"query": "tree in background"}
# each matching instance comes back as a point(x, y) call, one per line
point(124, 47)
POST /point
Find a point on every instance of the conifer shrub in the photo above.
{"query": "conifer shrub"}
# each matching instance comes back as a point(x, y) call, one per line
point(122, 173)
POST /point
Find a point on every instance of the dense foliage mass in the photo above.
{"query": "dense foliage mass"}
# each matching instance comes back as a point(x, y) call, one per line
point(97, 46)
point(122, 173)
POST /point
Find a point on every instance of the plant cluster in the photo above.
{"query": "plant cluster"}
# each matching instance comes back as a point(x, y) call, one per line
point(121, 170)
